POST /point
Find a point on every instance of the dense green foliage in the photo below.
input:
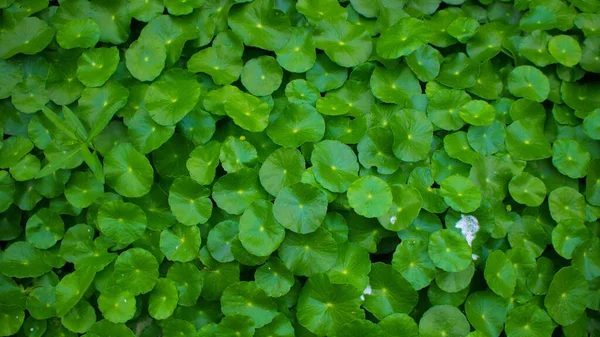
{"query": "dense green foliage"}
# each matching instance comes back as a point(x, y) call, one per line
point(279, 168)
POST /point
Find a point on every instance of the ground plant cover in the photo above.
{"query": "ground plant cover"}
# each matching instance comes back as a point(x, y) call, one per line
point(280, 168)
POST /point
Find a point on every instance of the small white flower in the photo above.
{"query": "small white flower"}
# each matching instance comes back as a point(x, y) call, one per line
point(393, 219)
point(469, 226)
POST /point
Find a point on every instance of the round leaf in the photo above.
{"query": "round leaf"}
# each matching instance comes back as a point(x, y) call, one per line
point(460, 194)
point(443, 320)
point(565, 50)
point(121, 221)
point(163, 299)
point(247, 298)
point(407, 35)
point(334, 165)
point(172, 96)
point(300, 208)
point(189, 201)
point(44, 229)
point(529, 82)
point(370, 196)
point(567, 296)
point(413, 135)
point(259, 232)
point(136, 270)
point(262, 76)
point(145, 59)
point(449, 250)
point(308, 254)
point(128, 171)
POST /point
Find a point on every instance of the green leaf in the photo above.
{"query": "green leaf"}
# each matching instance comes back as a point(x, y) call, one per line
point(324, 308)
point(189, 282)
point(122, 222)
point(219, 240)
point(12, 320)
point(234, 192)
point(529, 82)
point(412, 260)
point(463, 28)
point(96, 66)
point(128, 171)
point(262, 76)
point(390, 292)
point(443, 320)
point(29, 36)
point(317, 11)
point(375, 149)
point(326, 75)
point(335, 165)
point(399, 325)
point(21, 259)
point(145, 59)
point(280, 326)
point(525, 140)
point(163, 299)
point(236, 154)
point(395, 86)
point(458, 71)
point(83, 189)
point(283, 168)
point(527, 189)
point(30, 95)
point(235, 324)
point(566, 203)
point(567, 236)
point(413, 135)
point(300, 208)
point(248, 299)
point(80, 318)
point(500, 274)
point(425, 63)
point(189, 201)
point(570, 158)
point(71, 289)
point(274, 278)
point(117, 307)
point(565, 50)
point(528, 320)
point(167, 101)
point(136, 270)
point(221, 63)
point(443, 108)
point(478, 113)
point(299, 54)
point(259, 232)
point(449, 250)
point(310, 253)
point(345, 43)
point(486, 312)
point(180, 243)
point(369, 196)
point(247, 111)
point(295, 125)
point(44, 229)
point(181, 7)
point(11, 74)
point(83, 33)
point(404, 37)
point(460, 194)
point(260, 25)
point(567, 296)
